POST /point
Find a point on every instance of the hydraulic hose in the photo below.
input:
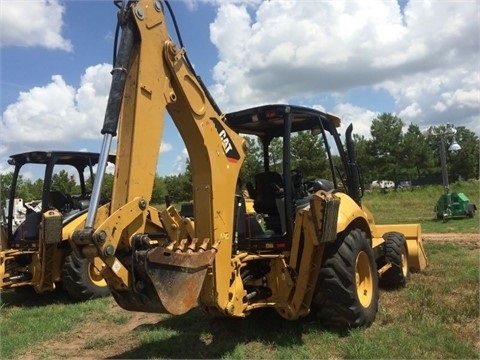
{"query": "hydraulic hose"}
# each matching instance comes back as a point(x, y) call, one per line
point(119, 77)
point(187, 60)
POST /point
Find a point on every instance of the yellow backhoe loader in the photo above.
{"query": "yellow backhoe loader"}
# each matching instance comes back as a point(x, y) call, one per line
point(35, 250)
point(319, 251)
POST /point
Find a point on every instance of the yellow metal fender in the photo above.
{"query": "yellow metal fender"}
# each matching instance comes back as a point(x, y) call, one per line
point(350, 211)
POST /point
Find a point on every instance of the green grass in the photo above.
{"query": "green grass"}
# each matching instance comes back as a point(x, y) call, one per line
point(435, 316)
point(417, 206)
point(29, 318)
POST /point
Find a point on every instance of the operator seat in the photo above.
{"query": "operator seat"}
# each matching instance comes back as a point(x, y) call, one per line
point(321, 184)
point(60, 201)
point(269, 188)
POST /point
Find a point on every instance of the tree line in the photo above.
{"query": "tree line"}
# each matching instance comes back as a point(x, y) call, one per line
point(390, 153)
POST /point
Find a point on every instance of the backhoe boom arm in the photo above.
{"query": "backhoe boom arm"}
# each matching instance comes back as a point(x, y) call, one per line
point(151, 75)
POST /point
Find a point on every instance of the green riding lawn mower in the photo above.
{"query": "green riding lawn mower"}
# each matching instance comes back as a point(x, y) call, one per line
point(454, 205)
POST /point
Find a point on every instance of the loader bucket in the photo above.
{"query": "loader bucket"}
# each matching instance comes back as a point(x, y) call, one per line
point(417, 259)
point(178, 277)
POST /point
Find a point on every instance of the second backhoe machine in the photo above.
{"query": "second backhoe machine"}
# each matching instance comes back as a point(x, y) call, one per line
point(319, 251)
point(34, 248)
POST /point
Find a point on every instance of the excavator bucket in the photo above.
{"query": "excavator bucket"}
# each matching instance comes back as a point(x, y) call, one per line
point(178, 276)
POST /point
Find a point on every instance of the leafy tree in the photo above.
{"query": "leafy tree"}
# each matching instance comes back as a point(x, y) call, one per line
point(386, 145)
point(37, 189)
point(25, 189)
point(64, 182)
point(308, 155)
point(159, 190)
point(188, 170)
point(107, 187)
point(417, 159)
point(5, 184)
point(276, 155)
point(465, 162)
point(253, 160)
point(365, 161)
point(179, 187)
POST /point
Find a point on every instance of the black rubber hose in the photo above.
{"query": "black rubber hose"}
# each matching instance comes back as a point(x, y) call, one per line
point(187, 60)
point(119, 77)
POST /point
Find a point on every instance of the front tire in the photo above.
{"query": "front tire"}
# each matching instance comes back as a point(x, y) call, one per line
point(397, 255)
point(82, 279)
point(346, 294)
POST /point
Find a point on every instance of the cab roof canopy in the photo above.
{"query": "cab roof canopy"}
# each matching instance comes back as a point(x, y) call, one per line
point(267, 121)
point(74, 158)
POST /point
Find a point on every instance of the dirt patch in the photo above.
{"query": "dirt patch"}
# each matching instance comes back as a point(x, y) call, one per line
point(456, 238)
point(97, 339)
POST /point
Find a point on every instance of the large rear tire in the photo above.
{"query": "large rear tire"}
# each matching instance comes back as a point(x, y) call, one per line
point(346, 295)
point(396, 254)
point(82, 279)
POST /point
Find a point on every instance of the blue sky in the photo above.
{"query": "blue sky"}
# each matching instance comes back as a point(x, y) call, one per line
point(419, 60)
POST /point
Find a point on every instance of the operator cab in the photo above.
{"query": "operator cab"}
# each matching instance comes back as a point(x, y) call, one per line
point(279, 190)
point(69, 202)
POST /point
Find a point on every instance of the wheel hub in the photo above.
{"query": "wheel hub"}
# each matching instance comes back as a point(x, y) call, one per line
point(364, 279)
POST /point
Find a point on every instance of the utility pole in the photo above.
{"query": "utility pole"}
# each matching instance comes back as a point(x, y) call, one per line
point(444, 204)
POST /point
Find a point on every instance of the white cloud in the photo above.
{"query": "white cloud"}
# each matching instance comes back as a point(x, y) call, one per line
point(439, 96)
point(180, 162)
point(193, 4)
point(56, 114)
point(426, 56)
point(360, 118)
point(165, 147)
point(412, 111)
point(110, 169)
point(33, 23)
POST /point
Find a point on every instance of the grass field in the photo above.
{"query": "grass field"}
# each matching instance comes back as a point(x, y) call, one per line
point(435, 317)
point(416, 205)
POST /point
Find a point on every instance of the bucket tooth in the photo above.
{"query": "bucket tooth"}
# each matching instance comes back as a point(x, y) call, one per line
point(181, 246)
point(205, 243)
point(193, 246)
